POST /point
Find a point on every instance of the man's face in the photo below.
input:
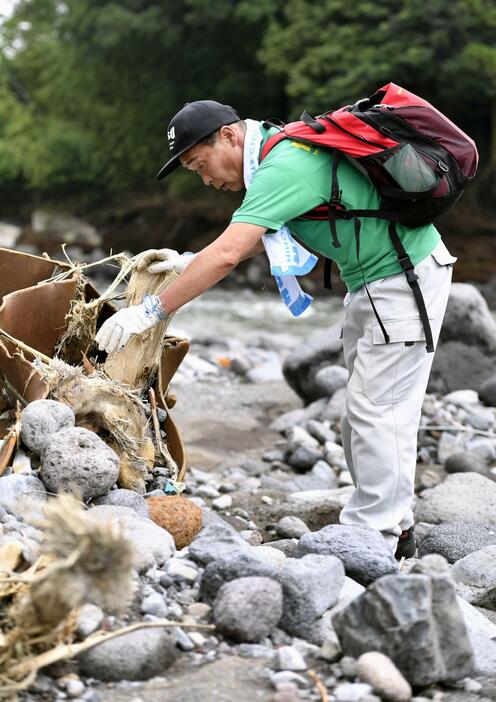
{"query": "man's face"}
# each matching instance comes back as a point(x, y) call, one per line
point(221, 164)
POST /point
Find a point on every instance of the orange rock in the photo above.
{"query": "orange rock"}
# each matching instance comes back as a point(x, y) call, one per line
point(182, 518)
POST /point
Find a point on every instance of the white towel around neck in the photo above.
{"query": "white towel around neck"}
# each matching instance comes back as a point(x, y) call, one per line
point(286, 256)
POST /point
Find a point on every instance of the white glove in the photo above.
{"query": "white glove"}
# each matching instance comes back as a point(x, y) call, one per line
point(118, 329)
point(163, 260)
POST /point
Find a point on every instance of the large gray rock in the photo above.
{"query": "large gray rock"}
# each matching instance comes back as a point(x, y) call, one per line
point(456, 540)
point(363, 551)
point(215, 540)
point(321, 477)
point(304, 458)
point(311, 585)
point(139, 655)
point(466, 462)
point(240, 563)
point(475, 577)
point(413, 619)
point(153, 545)
point(291, 528)
point(487, 391)
point(124, 498)
point(64, 228)
point(324, 348)
point(41, 419)
point(466, 353)
point(468, 318)
point(462, 497)
point(248, 609)
point(19, 491)
point(482, 636)
point(77, 459)
point(331, 378)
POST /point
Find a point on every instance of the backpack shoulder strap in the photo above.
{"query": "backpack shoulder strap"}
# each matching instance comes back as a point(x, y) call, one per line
point(271, 142)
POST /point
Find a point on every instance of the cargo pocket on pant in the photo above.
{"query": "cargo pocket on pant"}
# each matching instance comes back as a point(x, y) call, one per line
point(391, 371)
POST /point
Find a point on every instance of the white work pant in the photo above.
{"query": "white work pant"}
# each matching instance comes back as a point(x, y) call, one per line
point(386, 388)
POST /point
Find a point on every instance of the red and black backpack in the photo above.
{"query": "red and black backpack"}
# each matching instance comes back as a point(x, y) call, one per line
point(417, 159)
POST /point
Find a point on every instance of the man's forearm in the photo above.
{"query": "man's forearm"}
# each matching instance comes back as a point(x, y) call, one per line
point(212, 264)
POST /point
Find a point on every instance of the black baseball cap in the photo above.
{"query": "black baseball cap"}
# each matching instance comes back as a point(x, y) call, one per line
point(194, 122)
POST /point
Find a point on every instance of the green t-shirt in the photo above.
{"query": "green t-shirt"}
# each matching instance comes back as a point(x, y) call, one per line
point(294, 178)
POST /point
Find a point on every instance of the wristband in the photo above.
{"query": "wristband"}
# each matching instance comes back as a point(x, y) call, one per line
point(154, 308)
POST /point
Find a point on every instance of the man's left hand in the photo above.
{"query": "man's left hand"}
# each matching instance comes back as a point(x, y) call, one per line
point(118, 329)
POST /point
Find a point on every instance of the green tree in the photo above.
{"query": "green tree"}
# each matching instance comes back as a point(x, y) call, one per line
point(90, 85)
point(334, 52)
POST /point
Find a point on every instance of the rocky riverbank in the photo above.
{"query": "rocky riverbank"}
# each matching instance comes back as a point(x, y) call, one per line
point(301, 608)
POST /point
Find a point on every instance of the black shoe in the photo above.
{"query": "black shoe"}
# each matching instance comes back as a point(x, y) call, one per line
point(407, 546)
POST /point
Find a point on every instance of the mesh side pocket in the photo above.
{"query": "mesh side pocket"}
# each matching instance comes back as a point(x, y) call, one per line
point(410, 171)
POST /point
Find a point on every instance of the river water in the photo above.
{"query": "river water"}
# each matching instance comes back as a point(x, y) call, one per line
point(244, 314)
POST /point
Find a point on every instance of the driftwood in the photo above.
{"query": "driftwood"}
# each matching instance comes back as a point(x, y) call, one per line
point(140, 359)
point(47, 349)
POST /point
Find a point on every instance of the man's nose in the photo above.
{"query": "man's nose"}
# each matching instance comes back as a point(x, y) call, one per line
point(206, 179)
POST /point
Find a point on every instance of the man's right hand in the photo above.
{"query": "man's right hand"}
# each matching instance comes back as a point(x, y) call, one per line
point(163, 260)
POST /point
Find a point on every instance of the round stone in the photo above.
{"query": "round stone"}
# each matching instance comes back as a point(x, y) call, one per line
point(76, 459)
point(41, 419)
point(247, 609)
point(181, 517)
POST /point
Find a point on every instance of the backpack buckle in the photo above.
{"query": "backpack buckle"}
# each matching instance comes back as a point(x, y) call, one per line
point(411, 276)
point(335, 199)
point(407, 265)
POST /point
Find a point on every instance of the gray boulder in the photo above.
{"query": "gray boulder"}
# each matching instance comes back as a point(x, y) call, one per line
point(18, 493)
point(215, 540)
point(456, 540)
point(41, 419)
point(475, 577)
point(64, 227)
point(304, 458)
point(462, 497)
point(287, 546)
point(482, 636)
point(466, 353)
point(291, 528)
point(334, 408)
point(153, 545)
point(311, 585)
point(303, 363)
point(487, 391)
point(124, 498)
point(468, 318)
point(413, 619)
point(77, 459)
point(240, 563)
point(466, 462)
point(139, 655)
point(321, 477)
point(331, 378)
point(248, 609)
point(320, 431)
point(363, 551)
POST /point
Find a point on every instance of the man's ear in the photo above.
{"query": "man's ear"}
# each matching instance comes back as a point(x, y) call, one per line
point(229, 133)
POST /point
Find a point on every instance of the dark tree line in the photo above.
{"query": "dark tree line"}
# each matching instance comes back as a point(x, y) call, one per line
point(87, 86)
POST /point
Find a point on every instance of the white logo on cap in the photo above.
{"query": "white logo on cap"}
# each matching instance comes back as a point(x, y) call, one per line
point(171, 136)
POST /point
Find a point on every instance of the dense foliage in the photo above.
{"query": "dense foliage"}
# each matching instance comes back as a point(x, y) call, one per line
point(87, 86)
